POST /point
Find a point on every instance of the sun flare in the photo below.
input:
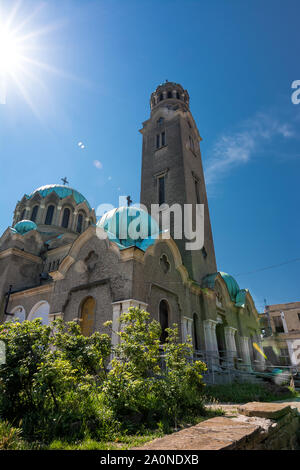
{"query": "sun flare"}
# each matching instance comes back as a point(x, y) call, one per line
point(23, 53)
point(10, 52)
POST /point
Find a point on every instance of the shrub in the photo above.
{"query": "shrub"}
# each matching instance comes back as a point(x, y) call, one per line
point(51, 377)
point(143, 387)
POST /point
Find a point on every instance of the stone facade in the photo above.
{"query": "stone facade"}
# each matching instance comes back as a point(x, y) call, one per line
point(282, 332)
point(55, 266)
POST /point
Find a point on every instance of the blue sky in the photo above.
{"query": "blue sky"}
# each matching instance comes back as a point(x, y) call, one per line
point(91, 68)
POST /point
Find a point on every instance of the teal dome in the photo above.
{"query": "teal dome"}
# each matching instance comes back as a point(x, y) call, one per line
point(232, 285)
point(61, 191)
point(130, 226)
point(24, 226)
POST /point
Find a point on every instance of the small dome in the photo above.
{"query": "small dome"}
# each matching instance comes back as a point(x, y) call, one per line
point(232, 285)
point(25, 226)
point(61, 191)
point(130, 226)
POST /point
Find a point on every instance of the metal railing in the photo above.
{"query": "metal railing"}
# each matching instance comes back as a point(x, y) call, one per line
point(226, 366)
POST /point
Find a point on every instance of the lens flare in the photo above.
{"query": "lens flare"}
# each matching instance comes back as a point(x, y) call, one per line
point(255, 345)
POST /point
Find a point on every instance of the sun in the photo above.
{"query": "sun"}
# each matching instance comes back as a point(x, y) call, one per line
point(23, 50)
point(10, 52)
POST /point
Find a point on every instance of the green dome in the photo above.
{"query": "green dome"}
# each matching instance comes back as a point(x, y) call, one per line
point(24, 226)
point(129, 226)
point(61, 191)
point(232, 285)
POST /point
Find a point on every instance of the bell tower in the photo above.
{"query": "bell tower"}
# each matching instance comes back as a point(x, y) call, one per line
point(172, 170)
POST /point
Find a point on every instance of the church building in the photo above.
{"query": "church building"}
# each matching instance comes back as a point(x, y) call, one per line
point(57, 260)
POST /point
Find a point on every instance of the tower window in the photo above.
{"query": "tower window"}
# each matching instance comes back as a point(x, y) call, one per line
point(23, 214)
point(66, 218)
point(49, 215)
point(157, 141)
point(34, 213)
point(177, 95)
point(163, 139)
point(170, 94)
point(161, 97)
point(161, 190)
point(192, 147)
point(197, 191)
point(160, 121)
point(79, 223)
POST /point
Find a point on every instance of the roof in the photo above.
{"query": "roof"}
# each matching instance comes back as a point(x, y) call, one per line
point(61, 191)
point(236, 294)
point(24, 226)
point(130, 226)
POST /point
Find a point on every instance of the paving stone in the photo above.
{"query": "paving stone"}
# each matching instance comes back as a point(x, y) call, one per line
point(264, 410)
point(213, 434)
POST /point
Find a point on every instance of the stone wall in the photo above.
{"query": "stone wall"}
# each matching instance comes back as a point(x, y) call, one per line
point(254, 426)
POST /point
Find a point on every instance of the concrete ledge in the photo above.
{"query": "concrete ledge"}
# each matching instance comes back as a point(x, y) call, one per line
point(253, 426)
point(264, 410)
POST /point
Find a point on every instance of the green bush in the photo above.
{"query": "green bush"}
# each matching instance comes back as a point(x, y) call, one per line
point(51, 378)
point(10, 437)
point(57, 384)
point(143, 388)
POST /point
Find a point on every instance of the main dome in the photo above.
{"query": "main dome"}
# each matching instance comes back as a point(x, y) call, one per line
point(130, 226)
point(61, 191)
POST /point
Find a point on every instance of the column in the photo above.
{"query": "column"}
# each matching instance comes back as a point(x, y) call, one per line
point(245, 351)
point(56, 218)
point(187, 328)
point(118, 308)
point(40, 219)
point(259, 356)
point(211, 344)
point(74, 221)
point(231, 351)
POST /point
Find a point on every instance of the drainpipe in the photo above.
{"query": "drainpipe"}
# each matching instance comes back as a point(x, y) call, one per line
point(7, 302)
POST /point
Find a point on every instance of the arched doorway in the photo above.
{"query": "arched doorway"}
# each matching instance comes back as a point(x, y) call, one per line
point(87, 317)
point(221, 339)
point(163, 319)
point(40, 310)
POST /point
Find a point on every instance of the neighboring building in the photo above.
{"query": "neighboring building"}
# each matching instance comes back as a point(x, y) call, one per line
point(282, 333)
point(60, 263)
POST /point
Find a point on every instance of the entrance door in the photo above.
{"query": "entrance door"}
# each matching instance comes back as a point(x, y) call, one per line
point(87, 316)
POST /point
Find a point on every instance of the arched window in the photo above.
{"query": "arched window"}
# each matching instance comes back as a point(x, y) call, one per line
point(49, 215)
point(79, 223)
point(177, 95)
point(163, 319)
point(40, 310)
point(195, 332)
point(23, 214)
point(87, 316)
point(170, 94)
point(19, 313)
point(66, 218)
point(161, 97)
point(34, 213)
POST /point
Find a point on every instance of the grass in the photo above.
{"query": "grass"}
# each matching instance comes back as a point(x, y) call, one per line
point(245, 392)
point(11, 437)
